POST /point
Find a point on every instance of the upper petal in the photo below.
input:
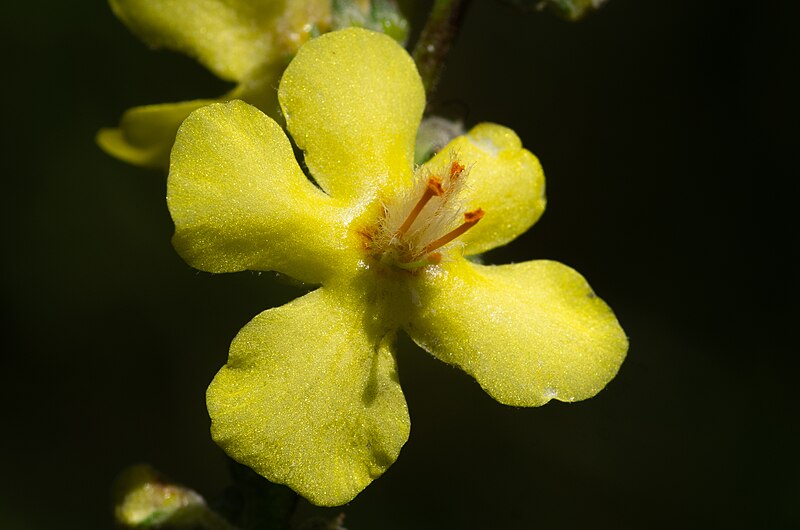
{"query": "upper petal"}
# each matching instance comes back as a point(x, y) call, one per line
point(232, 38)
point(240, 201)
point(504, 180)
point(353, 101)
point(310, 398)
point(528, 332)
point(145, 134)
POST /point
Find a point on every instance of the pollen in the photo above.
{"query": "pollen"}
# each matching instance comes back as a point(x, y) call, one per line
point(456, 169)
point(420, 228)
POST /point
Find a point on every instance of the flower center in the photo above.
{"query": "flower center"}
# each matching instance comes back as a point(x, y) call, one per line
point(414, 231)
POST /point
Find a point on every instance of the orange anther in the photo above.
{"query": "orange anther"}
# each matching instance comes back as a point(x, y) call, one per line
point(474, 216)
point(456, 168)
point(435, 186)
point(435, 258)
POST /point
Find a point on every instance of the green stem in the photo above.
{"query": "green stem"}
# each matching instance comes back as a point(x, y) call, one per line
point(258, 504)
point(208, 519)
point(434, 43)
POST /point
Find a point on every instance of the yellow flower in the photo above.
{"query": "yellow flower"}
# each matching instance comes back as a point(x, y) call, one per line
point(310, 396)
point(247, 42)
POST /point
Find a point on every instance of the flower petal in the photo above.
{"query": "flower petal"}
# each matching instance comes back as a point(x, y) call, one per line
point(310, 398)
point(232, 38)
point(145, 134)
point(353, 101)
point(505, 181)
point(240, 201)
point(528, 332)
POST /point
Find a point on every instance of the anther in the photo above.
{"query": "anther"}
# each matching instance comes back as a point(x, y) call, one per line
point(433, 188)
point(470, 220)
point(456, 168)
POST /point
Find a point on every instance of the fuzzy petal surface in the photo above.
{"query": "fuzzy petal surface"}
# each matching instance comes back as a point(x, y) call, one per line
point(145, 134)
point(240, 201)
point(353, 101)
point(232, 38)
point(505, 181)
point(310, 398)
point(528, 332)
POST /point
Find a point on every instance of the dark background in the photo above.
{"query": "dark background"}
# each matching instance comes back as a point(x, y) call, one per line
point(667, 130)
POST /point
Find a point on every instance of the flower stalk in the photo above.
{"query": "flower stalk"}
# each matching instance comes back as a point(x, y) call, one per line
point(259, 503)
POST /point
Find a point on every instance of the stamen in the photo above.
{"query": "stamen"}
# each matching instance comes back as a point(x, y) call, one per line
point(470, 220)
point(434, 187)
point(456, 168)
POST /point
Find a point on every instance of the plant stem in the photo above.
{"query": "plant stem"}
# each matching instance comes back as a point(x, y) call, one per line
point(434, 43)
point(256, 503)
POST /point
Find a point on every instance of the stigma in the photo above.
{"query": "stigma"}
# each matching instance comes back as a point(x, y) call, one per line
point(420, 228)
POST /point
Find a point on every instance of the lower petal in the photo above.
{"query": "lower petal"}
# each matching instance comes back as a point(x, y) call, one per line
point(310, 398)
point(528, 332)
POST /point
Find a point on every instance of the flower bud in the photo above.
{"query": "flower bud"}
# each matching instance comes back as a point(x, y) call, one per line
point(144, 499)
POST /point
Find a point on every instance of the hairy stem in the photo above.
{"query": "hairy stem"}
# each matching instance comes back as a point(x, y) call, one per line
point(434, 43)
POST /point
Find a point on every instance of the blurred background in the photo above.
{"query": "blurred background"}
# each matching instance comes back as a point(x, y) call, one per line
point(667, 130)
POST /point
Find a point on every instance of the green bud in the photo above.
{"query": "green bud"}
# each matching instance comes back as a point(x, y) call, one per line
point(378, 15)
point(433, 134)
point(145, 499)
point(569, 9)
